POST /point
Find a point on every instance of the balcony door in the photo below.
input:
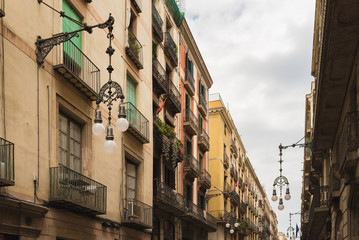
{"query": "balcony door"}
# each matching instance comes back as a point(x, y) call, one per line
point(131, 179)
point(71, 49)
point(132, 98)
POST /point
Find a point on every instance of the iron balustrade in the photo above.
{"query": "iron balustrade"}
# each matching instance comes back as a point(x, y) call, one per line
point(205, 177)
point(191, 119)
point(203, 104)
point(7, 173)
point(70, 187)
point(244, 206)
point(134, 50)
point(233, 147)
point(75, 66)
point(225, 160)
point(234, 195)
point(157, 23)
point(160, 76)
point(174, 95)
point(204, 138)
point(219, 215)
point(191, 163)
point(190, 80)
point(138, 5)
point(137, 212)
point(168, 195)
point(171, 49)
point(138, 123)
point(200, 214)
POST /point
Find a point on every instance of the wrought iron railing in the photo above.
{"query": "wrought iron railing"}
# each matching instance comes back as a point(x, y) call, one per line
point(234, 195)
point(203, 103)
point(157, 22)
point(191, 118)
point(190, 79)
point(348, 139)
point(7, 174)
point(137, 121)
point(174, 94)
point(160, 74)
point(220, 215)
point(137, 212)
point(206, 177)
point(70, 186)
point(320, 200)
point(171, 48)
point(200, 214)
point(192, 163)
point(244, 206)
point(225, 160)
point(78, 65)
point(134, 49)
point(203, 136)
point(168, 195)
point(233, 147)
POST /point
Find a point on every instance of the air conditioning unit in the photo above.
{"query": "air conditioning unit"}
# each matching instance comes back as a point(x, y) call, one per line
point(134, 211)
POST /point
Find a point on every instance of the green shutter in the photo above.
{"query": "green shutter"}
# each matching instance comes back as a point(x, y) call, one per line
point(188, 102)
point(200, 123)
point(131, 97)
point(68, 26)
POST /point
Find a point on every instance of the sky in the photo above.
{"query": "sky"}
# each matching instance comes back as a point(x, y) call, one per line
point(259, 53)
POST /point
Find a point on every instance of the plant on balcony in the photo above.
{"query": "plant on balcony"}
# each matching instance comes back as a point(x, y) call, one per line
point(243, 226)
point(171, 146)
point(135, 47)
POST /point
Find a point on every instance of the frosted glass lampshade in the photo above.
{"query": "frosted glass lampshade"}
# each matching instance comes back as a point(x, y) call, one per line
point(122, 124)
point(274, 198)
point(98, 129)
point(110, 146)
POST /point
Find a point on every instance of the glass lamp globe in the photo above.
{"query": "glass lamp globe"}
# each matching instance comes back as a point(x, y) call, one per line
point(287, 197)
point(122, 124)
point(98, 129)
point(280, 207)
point(236, 224)
point(274, 198)
point(110, 146)
point(231, 231)
point(228, 225)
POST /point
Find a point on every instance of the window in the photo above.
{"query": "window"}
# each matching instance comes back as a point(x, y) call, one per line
point(189, 64)
point(201, 201)
point(187, 192)
point(200, 160)
point(69, 143)
point(200, 123)
point(188, 102)
point(131, 91)
point(188, 146)
point(131, 177)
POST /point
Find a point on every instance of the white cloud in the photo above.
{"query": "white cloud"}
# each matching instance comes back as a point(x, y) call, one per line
point(259, 55)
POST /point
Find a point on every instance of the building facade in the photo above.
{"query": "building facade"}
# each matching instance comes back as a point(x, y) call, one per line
point(57, 181)
point(236, 197)
point(333, 176)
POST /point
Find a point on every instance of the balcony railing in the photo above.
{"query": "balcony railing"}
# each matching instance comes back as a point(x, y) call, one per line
point(190, 122)
point(137, 214)
point(200, 217)
point(205, 179)
point(137, 4)
point(243, 207)
point(167, 198)
point(134, 50)
point(7, 174)
point(191, 166)
point(174, 98)
point(202, 106)
point(157, 23)
point(319, 210)
point(234, 195)
point(189, 82)
point(138, 124)
point(203, 141)
point(348, 141)
point(70, 189)
point(220, 215)
point(225, 160)
point(171, 49)
point(234, 148)
point(78, 69)
point(159, 77)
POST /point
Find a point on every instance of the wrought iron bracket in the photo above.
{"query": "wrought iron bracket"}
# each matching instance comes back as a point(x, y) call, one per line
point(44, 46)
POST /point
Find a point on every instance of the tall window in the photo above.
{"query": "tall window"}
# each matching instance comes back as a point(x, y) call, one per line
point(201, 162)
point(131, 177)
point(200, 123)
point(69, 143)
point(188, 102)
point(131, 97)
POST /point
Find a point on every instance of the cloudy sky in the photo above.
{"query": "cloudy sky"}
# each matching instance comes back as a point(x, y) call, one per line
point(258, 53)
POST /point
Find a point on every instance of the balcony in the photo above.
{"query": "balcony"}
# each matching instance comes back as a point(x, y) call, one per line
point(190, 122)
point(137, 214)
point(134, 50)
point(234, 148)
point(243, 208)
point(167, 199)
point(7, 174)
point(203, 141)
point(205, 180)
point(199, 217)
point(138, 124)
point(159, 78)
point(235, 197)
point(189, 82)
point(191, 166)
point(319, 210)
point(173, 99)
point(137, 4)
point(171, 49)
point(78, 69)
point(225, 160)
point(74, 191)
point(202, 105)
point(157, 23)
point(220, 215)
point(348, 142)
point(227, 189)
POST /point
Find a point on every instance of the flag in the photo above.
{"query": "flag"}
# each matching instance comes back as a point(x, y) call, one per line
point(163, 104)
point(296, 230)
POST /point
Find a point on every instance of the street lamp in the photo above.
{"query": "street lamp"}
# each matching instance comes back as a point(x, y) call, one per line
point(109, 93)
point(232, 222)
point(290, 229)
